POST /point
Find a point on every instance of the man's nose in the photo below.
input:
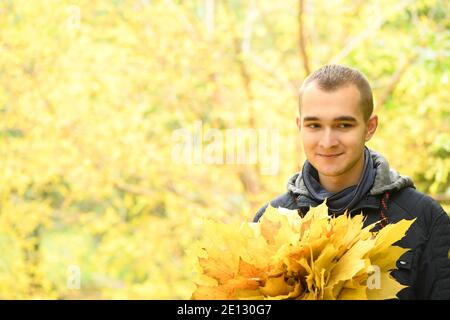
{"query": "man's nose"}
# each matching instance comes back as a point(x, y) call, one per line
point(328, 139)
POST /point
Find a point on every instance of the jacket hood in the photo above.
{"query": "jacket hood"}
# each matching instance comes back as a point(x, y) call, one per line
point(386, 179)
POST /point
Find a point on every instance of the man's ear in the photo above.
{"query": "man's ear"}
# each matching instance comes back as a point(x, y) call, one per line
point(299, 123)
point(372, 125)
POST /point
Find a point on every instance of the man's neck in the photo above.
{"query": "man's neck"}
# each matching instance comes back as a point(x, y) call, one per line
point(347, 179)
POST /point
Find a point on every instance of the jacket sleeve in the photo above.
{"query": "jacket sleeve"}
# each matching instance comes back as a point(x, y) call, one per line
point(285, 200)
point(435, 262)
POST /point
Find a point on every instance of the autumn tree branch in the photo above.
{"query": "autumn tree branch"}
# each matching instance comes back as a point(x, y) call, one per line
point(370, 31)
point(395, 80)
point(441, 197)
point(302, 38)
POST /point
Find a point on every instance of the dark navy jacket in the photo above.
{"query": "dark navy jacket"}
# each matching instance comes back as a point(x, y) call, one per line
point(425, 269)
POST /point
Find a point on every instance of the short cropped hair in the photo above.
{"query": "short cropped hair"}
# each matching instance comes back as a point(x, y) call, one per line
point(332, 77)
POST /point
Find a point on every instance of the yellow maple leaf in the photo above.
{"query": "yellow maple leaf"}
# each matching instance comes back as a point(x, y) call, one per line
point(286, 256)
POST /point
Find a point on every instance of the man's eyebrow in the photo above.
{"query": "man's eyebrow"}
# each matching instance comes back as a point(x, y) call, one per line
point(346, 118)
point(310, 119)
point(342, 118)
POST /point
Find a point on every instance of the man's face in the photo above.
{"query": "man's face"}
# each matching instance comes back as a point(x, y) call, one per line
point(333, 129)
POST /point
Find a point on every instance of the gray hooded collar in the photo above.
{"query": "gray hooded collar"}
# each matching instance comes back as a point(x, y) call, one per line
point(386, 179)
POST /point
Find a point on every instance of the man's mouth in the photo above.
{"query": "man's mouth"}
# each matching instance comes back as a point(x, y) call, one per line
point(330, 155)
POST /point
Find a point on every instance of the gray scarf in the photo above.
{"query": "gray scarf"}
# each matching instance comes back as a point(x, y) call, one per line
point(337, 202)
point(386, 179)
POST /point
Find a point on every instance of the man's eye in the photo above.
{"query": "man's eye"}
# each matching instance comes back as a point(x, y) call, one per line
point(344, 125)
point(313, 126)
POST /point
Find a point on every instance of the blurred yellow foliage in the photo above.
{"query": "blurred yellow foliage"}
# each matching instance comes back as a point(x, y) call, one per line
point(91, 93)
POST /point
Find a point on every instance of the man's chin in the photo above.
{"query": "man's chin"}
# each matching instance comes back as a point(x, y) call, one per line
point(329, 172)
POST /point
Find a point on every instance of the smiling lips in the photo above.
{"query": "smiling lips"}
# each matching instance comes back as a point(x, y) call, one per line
point(330, 155)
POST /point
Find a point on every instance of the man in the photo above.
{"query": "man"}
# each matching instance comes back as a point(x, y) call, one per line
point(335, 120)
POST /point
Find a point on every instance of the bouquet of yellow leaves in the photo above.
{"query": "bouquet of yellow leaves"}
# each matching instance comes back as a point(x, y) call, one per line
point(285, 256)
